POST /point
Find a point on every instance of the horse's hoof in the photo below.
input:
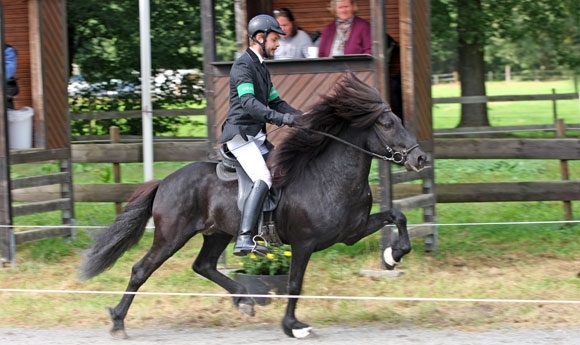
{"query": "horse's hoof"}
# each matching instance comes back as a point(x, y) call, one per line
point(247, 309)
point(389, 260)
point(119, 334)
point(301, 333)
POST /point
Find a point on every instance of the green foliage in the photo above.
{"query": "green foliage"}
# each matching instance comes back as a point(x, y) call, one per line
point(104, 44)
point(56, 249)
point(524, 34)
point(276, 262)
point(105, 174)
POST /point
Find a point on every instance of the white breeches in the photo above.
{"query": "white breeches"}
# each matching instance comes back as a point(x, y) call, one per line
point(249, 154)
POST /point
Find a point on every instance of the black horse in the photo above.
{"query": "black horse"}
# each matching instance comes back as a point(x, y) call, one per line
point(322, 172)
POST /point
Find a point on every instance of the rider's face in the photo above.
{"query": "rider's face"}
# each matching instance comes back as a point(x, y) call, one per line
point(272, 43)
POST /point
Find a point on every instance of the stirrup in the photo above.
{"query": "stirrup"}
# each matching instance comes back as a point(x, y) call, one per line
point(254, 248)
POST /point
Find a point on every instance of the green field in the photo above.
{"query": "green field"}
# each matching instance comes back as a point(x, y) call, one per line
point(510, 250)
point(511, 113)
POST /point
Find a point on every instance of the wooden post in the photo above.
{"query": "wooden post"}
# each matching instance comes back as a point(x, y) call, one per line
point(115, 136)
point(554, 110)
point(7, 242)
point(561, 133)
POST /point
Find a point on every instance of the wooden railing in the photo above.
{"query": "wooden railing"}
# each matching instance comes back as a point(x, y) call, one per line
point(558, 149)
point(554, 97)
point(479, 148)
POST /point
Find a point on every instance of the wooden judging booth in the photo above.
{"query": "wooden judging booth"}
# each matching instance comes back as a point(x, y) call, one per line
point(37, 30)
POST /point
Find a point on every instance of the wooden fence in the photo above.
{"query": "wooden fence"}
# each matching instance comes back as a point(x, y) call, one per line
point(554, 97)
point(445, 148)
point(168, 149)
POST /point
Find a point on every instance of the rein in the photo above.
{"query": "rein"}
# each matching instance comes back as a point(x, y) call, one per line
point(392, 155)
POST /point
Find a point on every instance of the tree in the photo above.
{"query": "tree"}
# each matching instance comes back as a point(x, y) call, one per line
point(104, 36)
point(104, 41)
point(529, 33)
point(471, 22)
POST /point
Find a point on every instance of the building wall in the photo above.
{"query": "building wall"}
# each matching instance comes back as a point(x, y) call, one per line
point(16, 34)
point(37, 29)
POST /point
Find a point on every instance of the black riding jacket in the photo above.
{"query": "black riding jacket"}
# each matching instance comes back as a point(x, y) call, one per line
point(253, 99)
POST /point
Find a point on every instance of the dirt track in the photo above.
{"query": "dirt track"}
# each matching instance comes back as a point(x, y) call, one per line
point(329, 335)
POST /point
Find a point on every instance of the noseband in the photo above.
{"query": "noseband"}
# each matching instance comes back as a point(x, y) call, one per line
point(392, 155)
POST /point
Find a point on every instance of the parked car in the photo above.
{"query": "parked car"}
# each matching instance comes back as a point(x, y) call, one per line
point(77, 85)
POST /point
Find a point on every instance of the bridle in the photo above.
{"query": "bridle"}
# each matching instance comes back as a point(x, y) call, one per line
point(392, 155)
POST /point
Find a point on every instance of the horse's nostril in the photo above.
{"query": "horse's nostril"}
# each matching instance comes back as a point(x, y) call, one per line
point(421, 161)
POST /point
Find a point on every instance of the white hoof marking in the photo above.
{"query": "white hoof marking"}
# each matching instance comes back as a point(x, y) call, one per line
point(388, 256)
point(301, 333)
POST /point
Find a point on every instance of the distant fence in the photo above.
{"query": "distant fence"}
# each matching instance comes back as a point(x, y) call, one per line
point(508, 75)
point(444, 78)
point(553, 97)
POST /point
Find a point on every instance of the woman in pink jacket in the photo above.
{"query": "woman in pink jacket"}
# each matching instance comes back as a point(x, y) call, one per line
point(348, 34)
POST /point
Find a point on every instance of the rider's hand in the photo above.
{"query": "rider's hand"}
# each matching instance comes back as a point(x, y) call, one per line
point(288, 120)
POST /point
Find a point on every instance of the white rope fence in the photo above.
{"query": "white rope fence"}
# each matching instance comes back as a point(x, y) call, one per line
point(437, 224)
point(360, 298)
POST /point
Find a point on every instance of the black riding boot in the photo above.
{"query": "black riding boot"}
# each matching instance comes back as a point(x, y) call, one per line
point(250, 215)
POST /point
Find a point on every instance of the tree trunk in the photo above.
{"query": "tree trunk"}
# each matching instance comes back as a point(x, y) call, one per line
point(471, 42)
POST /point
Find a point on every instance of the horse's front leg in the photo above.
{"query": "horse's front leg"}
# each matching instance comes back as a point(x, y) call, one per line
point(399, 247)
point(291, 326)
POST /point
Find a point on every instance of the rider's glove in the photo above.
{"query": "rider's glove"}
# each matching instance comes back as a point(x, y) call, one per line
point(288, 120)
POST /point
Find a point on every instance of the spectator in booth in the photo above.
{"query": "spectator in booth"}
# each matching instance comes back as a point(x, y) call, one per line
point(9, 72)
point(347, 34)
point(295, 43)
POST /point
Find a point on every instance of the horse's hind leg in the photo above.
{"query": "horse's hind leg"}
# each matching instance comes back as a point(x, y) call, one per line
point(206, 265)
point(159, 252)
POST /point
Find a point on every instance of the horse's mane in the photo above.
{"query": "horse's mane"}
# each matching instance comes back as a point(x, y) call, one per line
point(352, 103)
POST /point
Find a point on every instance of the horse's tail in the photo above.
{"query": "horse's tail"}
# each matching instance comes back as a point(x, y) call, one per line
point(123, 234)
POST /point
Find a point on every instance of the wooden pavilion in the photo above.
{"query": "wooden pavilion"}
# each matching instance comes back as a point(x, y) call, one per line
point(37, 30)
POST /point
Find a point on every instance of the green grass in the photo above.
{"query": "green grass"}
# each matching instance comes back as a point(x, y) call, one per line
point(470, 246)
point(510, 113)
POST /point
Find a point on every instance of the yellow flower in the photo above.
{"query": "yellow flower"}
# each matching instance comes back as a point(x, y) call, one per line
point(277, 261)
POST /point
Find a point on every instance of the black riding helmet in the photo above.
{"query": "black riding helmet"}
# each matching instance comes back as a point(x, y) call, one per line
point(263, 23)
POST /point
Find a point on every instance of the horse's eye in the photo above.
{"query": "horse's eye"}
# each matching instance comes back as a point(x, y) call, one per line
point(387, 122)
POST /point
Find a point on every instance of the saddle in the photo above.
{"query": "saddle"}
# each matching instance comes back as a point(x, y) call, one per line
point(229, 169)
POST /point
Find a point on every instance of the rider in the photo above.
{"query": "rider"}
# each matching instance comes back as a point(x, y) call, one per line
point(254, 102)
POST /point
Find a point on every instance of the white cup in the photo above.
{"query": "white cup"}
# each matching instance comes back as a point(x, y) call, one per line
point(312, 52)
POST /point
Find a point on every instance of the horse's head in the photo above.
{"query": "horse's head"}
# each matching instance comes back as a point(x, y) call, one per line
point(394, 143)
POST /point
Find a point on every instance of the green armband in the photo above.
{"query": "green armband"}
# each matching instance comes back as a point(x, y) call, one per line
point(273, 94)
point(245, 88)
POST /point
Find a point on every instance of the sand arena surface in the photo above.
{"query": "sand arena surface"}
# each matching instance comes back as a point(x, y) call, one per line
point(270, 335)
